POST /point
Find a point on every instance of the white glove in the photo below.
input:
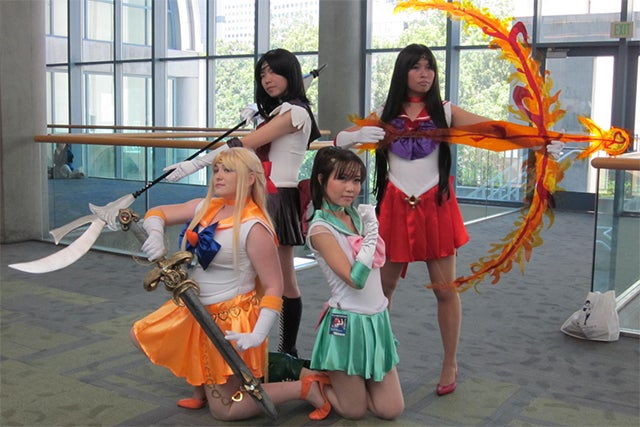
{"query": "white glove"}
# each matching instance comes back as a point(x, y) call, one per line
point(347, 139)
point(364, 258)
point(245, 341)
point(554, 149)
point(109, 212)
point(249, 115)
point(187, 167)
point(153, 247)
point(368, 217)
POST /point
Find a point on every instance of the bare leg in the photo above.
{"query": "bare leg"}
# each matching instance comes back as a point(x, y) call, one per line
point(223, 408)
point(390, 275)
point(291, 303)
point(385, 397)
point(291, 290)
point(347, 394)
point(442, 271)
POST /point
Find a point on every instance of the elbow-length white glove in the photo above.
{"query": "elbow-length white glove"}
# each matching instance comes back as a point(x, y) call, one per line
point(364, 258)
point(347, 139)
point(188, 167)
point(263, 325)
point(154, 247)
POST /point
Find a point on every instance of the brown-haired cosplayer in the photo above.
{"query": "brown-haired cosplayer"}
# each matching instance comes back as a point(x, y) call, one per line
point(355, 345)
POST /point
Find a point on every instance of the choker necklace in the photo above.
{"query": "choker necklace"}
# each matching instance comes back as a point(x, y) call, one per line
point(328, 206)
point(414, 99)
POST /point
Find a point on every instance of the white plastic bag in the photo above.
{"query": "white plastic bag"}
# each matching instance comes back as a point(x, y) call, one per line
point(597, 319)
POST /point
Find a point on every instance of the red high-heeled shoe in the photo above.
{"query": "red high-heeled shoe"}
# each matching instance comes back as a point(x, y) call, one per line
point(441, 390)
point(322, 379)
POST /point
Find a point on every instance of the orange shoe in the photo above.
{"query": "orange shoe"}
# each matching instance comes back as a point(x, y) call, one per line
point(322, 379)
point(192, 403)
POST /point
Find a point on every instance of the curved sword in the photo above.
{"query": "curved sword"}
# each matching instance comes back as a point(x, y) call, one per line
point(102, 215)
point(68, 255)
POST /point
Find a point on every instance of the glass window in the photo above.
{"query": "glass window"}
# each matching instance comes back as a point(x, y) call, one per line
point(56, 23)
point(56, 32)
point(98, 92)
point(396, 30)
point(99, 20)
point(294, 25)
point(99, 110)
point(97, 44)
point(137, 95)
point(577, 20)
point(519, 10)
point(58, 93)
point(484, 89)
point(136, 29)
point(186, 28)
point(233, 89)
point(234, 27)
point(586, 84)
point(188, 80)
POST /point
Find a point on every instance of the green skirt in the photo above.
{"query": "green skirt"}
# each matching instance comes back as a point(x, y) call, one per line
point(357, 344)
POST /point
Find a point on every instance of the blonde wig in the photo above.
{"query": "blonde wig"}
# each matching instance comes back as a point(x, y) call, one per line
point(246, 164)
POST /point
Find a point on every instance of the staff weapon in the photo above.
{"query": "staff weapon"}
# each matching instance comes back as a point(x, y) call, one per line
point(102, 215)
point(170, 271)
point(106, 215)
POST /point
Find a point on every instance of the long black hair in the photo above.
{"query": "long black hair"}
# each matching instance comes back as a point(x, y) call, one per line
point(407, 58)
point(285, 64)
point(345, 163)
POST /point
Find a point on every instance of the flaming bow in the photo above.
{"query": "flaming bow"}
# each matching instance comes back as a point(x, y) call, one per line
point(535, 104)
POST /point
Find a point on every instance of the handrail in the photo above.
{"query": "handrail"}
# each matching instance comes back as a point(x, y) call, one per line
point(627, 161)
point(149, 139)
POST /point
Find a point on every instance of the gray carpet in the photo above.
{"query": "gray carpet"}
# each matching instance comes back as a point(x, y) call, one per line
point(67, 361)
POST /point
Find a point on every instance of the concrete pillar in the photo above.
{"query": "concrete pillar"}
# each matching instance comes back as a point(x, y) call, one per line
point(341, 84)
point(23, 167)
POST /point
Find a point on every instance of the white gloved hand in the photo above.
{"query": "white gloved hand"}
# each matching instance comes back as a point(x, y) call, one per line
point(187, 167)
point(245, 341)
point(249, 115)
point(109, 212)
point(364, 258)
point(368, 217)
point(347, 139)
point(154, 247)
point(554, 148)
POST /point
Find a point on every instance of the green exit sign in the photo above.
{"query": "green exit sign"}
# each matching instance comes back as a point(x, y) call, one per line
point(621, 30)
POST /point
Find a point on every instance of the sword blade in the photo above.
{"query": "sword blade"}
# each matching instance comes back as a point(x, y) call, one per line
point(240, 369)
point(60, 232)
point(66, 256)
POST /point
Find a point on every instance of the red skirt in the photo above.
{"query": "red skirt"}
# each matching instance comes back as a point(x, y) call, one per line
point(172, 337)
point(422, 231)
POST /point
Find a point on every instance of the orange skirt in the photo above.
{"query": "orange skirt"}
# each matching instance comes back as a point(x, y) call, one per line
point(421, 232)
point(172, 337)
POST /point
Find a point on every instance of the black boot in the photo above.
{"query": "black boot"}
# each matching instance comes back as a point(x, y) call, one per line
point(289, 325)
point(284, 367)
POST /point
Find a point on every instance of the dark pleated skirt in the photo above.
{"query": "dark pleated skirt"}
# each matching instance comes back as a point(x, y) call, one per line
point(284, 209)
